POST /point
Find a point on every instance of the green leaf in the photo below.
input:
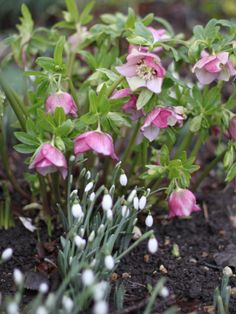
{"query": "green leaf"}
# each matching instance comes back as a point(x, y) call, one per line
point(165, 24)
point(58, 51)
point(24, 149)
point(65, 128)
point(85, 16)
point(92, 101)
point(143, 98)
point(110, 74)
point(26, 138)
point(229, 158)
point(148, 19)
point(231, 173)
point(130, 19)
point(195, 124)
point(164, 155)
point(199, 32)
point(118, 119)
point(73, 10)
point(143, 31)
point(59, 116)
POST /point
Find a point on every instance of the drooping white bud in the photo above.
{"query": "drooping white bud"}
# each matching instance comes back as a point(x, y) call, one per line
point(6, 254)
point(79, 242)
point(100, 307)
point(109, 262)
point(91, 236)
point(77, 211)
point(67, 303)
point(88, 175)
point(152, 245)
point(123, 179)
point(109, 214)
point(43, 288)
point(142, 202)
point(149, 221)
point(99, 290)
point(164, 292)
point(125, 211)
point(73, 193)
point(18, 276)
point(92, 197)
point(101, 228)
point(228, 271)
point(93, 263)
point(136, 233)
point(81, 232)
point(12, 308)
point(131, 195)
point(41, 310)
point(88, 187)
point(88, 277)
point(106, 202)
point(136, 203)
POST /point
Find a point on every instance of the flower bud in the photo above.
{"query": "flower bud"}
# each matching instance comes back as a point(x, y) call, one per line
point(123, 179)
point(149, 221)
point(101, 229)
point(109, 214)
point(88, 187)
point(81, 232)
point(228, 271)
point(152, 245)
point(67, 303)
point(41, 310)
point(6, 254)
point(92, 197)
point(43, 288)
point(88, 175)
point(80, 242)
point(91, 236)
point(107, 202)
point(77, 211)
point(136, 233)
point(88, 277)
point(18, 277)
point(142, 202)
point(164, 292)
point(62, 100)
point(100, 307)
point(136, 203)
point(99, 290)
point(12, 308)
point(131, 195)
point(125, 211)
point(109, 262)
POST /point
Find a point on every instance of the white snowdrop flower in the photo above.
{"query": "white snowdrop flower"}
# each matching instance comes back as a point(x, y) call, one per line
point(43, 288)
point(67, 303)
point(99, 290)
point(228, 271)
point(149, 221)
point(131, 195)
point(81, 232)
point(136, 203)
point(72, 158)
point(152, 245)
point(109, 262)
point(100, 307)
point(73, 193)
point(91, 236)
point(41, 310)
point(93, 263)
point(164, 292)
point(88, 277)
point(125, 211)
point(109, 214)
point(79, 242)
point(51, 300)
point(88, 187)
point(88, 175)
point(135, 221)
point(77, 211)
point(101, 228)
point(18, 276)
point(112, 189)
point(136, 233)
point(92, 197)
point(123, 179)
point(7, 254)
point(148, 192)
point(107, 202)
point(12, 308)
point(142, 202)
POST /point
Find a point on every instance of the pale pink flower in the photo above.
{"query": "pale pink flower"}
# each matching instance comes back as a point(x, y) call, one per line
point(49, 159)
point(161, 118)
point(143, 69)
point(214, 67)
point(232, 129)
point(77, 38)
point(182, 202)
point(63, 100)
point(98, 141)
point(130, 106)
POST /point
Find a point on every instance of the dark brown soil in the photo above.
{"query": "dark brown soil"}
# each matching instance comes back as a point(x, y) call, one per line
point(191, 278)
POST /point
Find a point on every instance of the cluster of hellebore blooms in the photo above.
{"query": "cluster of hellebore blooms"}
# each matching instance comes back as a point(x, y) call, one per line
point(143, 70)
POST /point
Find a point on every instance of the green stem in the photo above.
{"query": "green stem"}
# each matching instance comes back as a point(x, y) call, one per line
point(153, 297)
point(210, 166)
point(137, 242)
point(114, 85)
point(196, 147)
point(70, 64)
point(131, 144)
point(43, 191)
point(184, 144)
point(56, 188)
point(16, 106)
point(73, 93)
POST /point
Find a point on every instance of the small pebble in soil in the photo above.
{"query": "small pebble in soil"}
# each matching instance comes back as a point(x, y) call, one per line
point(163, 270)
point(146, 258)
point(126, 276)
point(114, 276)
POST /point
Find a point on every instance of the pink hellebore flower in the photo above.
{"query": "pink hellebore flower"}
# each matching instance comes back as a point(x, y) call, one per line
point(78, 37)
point(49, 159)
point(215, 67)
point(161, 118)
point(232, 128)
point(63, 100)
point(130, 106)
point(182, 202)
point(143, 69)
point(98, 141)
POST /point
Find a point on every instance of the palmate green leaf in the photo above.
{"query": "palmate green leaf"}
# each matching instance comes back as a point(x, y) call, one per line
point(118, 119)
point(110, 74)
point(26, 26)
point(165, 24)
point(130, 22)
point(85, 16)
point(143, 98)
point(231, 173)
point(65, 128)
point(148, 19)
point(199, 32)
point(26, 138)
point(25, 149)
point(73, 10)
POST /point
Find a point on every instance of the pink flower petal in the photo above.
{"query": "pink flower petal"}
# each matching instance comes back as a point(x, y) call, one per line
point(135, 82)
point(155, 85)
point(121, 93)
point(205, 77)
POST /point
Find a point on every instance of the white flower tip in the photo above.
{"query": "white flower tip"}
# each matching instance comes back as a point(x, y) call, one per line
point(109, 262)
point(41, 310)
point(43, 288)
point(136, 203)
point(142, 202)
point(123, 179)
point(88, 187)
point(125, 211)
point(67, 303)
point(92, 197)
point(152, 245)
point(18, 276)
point(149, 221)
point(107, 202)
point(100, 307)
point(164, 292)
point(88, 277)
point(77, 211)
point(79, 242)
point(109, 214)
point(7, 254)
